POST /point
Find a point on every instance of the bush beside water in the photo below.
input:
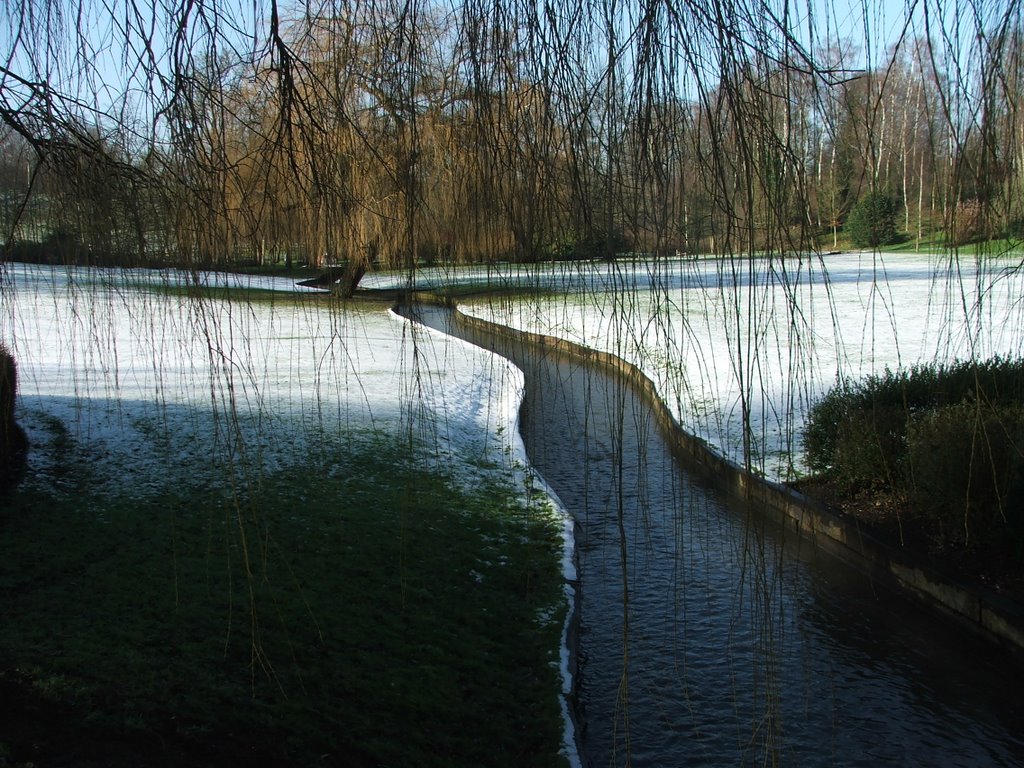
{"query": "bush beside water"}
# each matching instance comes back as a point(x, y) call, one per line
point(946, 439)
point(8, 387)
point(967, 474)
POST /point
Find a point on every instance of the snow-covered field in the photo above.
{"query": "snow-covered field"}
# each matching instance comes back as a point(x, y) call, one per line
point(261, 381)
point(153, 386)
point(726, 338)
point(719, 338)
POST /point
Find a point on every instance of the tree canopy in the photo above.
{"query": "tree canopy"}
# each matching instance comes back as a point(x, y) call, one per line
point(397, 133)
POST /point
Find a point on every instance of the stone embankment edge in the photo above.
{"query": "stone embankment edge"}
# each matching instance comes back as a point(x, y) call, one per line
point(987, 613)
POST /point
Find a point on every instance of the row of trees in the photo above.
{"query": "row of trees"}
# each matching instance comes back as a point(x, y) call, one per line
point(393, 133)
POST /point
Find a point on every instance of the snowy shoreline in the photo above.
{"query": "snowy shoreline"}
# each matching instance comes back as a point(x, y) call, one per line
point(504, 419)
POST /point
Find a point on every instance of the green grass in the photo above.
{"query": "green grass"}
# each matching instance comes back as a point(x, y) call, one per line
point(364, 613)
point(932, 242)
point(480, 290)
point(275, 269)
point(908, 243)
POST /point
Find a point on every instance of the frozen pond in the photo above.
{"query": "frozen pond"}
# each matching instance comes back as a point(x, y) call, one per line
point(705, 639)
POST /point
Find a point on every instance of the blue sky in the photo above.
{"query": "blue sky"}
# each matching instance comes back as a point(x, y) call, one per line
point(116, 33)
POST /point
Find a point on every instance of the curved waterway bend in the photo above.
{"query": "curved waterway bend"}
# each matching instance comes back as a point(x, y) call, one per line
point(708, 637)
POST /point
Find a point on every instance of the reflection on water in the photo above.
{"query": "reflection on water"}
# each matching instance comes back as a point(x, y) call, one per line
point(706, 638)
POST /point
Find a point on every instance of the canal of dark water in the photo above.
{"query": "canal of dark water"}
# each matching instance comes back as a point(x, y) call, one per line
point(707, 636)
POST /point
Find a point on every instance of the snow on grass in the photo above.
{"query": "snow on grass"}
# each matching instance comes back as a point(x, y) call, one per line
point(757, 341)
point(486, 407)
point(134, 382)
point(257, 382)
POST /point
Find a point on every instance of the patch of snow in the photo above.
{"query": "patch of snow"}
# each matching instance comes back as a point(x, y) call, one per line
point(723, 340)
point(126, 371)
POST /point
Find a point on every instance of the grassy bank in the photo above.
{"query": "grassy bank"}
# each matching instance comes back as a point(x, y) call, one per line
point(362, 611)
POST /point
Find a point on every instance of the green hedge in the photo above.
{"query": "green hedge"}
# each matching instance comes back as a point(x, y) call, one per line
point(878, 408)
point(965, 472)
point(868, 448)
point(948, 438)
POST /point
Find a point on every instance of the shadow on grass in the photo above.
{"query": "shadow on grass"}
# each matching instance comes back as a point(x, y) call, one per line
point(354, 611)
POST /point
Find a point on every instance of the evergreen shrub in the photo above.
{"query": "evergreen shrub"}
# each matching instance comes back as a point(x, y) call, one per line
point(8, 392)
point(893, 398)
point(869, 447)
point(13, 442)
point(587, 244)
point(949, 438)
point(855, 433)
point(872, 222)
point(821, 432)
